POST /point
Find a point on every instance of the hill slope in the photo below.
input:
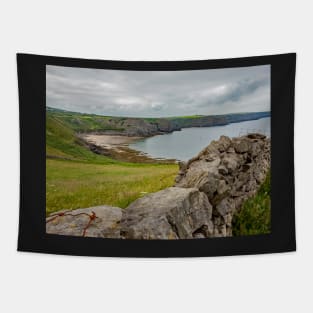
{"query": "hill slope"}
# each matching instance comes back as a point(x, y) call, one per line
point(76, 177)
point(62, 142)
point(131, 126)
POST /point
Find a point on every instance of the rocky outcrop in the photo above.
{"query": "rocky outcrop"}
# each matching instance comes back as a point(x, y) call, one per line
point(228, 172)
point(172, 213)
point(146, 127)
point(149, 127)
point(137, 127)
point(101, 221)
point(209, 189)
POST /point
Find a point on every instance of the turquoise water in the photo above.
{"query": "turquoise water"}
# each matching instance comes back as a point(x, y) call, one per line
point(185, 144)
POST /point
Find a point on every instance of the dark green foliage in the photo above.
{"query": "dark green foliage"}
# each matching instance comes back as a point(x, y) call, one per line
point(254, 217)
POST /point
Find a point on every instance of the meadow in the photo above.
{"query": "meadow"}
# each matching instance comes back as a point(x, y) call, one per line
point(72, 184)
point(77, 178)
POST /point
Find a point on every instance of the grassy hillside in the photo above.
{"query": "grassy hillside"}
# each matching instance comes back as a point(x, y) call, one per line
point(80, 122)
point(80, 178)
point(61, 141)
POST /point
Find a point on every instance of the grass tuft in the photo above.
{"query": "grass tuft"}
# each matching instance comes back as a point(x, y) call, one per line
point(254, 217)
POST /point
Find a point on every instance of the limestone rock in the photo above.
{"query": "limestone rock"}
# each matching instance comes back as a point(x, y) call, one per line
point(242, 145)
point(100, 221)
point(172, 213)
point(228, 171)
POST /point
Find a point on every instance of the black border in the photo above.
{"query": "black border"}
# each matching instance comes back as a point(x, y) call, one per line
point(32, 236)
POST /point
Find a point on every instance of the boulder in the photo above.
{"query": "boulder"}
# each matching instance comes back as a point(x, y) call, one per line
point(172, 213)
point(100, 221)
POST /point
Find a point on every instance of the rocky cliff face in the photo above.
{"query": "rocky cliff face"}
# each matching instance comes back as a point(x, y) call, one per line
point(138, 127)
point(209, 190)
point(145, 127)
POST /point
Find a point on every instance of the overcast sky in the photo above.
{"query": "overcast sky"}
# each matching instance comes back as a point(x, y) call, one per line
point(158, 93)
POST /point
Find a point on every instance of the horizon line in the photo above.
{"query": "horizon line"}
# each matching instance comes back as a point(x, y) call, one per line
point(177, 116)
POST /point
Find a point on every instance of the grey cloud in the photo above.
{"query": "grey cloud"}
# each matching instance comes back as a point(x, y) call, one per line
point(240, 89)
point(235, 92)
point(136, 93)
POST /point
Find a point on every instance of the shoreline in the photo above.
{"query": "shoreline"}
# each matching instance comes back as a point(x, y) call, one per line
point(108, 140)
point(117, 147)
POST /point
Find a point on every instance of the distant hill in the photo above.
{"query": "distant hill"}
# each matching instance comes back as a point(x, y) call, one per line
point(62, 141)
point(132, 126)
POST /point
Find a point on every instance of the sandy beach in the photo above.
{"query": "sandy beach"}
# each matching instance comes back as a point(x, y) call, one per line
point(116, 147)
point(109, 141)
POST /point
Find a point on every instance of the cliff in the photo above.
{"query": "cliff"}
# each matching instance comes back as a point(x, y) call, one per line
point(146, 127)
point(143, 127)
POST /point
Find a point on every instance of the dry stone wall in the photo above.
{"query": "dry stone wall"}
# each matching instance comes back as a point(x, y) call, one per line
point(228, 172)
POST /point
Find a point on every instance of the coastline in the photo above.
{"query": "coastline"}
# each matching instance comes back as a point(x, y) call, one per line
point(109, 141)
point(117, 147)
point(116, 144)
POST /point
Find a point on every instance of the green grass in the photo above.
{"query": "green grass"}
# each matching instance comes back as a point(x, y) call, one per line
point(79, 122)
point(254, 217)
point(61, 141)
point(71, 185)
point(81, 178)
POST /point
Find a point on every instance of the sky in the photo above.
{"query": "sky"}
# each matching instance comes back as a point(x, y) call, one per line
point(158, 93)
